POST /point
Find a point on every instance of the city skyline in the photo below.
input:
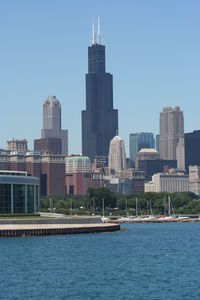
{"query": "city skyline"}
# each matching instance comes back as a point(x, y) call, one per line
point(37, 59)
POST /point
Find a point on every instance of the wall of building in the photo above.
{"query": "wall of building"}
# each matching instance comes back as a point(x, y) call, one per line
point(19, 193)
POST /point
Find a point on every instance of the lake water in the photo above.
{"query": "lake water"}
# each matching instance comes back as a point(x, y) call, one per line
point(143, 261)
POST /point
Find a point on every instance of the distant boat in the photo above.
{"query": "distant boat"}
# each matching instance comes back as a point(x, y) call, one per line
point(150, 216)
point(182, 217)
point(135, 218)
point(124, 219)
point(105, 219)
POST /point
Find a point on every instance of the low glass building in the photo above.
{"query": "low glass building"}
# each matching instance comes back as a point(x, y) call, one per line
point(19, 193)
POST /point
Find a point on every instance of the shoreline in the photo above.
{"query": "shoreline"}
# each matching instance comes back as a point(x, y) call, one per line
point(157, 221)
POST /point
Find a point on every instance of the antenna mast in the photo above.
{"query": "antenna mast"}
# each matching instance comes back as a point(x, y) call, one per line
point(99, 32)
point(93, 33)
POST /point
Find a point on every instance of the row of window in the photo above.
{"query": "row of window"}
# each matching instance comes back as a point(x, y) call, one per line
point(18, 199)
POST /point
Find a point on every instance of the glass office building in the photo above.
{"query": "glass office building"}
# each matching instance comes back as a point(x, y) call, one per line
point(138, 141)
point(19, 193)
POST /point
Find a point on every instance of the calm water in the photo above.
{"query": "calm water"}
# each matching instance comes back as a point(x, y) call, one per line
point(149, 261)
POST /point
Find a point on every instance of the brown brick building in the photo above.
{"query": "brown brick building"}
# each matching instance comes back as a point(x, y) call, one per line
point(50, 169)
point(52, 175)
point(48, 145)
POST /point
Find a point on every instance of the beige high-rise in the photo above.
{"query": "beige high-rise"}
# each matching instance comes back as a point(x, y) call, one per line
point(171, 130)
point(117, 154)
point(180, 154)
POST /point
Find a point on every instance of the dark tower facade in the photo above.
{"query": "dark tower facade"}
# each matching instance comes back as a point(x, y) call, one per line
point(192, 149)
point(99, 120)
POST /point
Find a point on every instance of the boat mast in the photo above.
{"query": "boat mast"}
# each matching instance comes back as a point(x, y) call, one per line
point(103, 207)
point(148, 208)
point(136, 207)
point(151, 213)
point(169, 206)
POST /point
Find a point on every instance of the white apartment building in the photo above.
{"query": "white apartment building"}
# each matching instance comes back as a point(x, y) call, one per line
point(149, 187)
point(170, 183)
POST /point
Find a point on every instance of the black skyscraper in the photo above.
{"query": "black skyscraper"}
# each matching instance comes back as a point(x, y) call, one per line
point(192, 149)
point(99, 120)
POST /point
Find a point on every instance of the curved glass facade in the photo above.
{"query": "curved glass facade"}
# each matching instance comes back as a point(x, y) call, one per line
point(19, 194)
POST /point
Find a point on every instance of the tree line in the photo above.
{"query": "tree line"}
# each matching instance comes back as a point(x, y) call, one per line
point(115, 204)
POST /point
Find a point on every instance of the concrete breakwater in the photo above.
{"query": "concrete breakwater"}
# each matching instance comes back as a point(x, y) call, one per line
point(16, 230)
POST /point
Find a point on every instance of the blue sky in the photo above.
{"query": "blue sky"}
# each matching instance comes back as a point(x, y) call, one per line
point(152, 50)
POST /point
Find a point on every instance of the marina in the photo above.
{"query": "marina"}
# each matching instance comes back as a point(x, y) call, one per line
point(151, 219)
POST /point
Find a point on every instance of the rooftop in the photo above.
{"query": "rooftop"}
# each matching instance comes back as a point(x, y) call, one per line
point(77, 158)
point(148, 150)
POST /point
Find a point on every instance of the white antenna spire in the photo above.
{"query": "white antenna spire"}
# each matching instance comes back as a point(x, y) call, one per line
point(99, 32)
point(93, 33)
point(90, 40)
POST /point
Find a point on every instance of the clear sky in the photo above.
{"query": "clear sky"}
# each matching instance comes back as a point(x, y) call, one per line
point(152, 50)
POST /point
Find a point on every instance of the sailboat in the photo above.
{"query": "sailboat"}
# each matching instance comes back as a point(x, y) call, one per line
point(137, 217)
point(150, 216)
point(125, 219)
point(170, 207)
point(103, 218)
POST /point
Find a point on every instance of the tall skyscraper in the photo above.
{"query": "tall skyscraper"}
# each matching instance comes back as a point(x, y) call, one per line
point(158, 142)
point(192, 149)
point(138, 141)
point(117, 154)
point(52, 122)
point(171, 130)
point(99, 120)
point(180, 154)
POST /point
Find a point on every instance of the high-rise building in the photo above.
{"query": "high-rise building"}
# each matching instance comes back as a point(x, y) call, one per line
point(17, 161)
point(194, 179)
point(117, 154)
point(52, 178)
point(78, 174)
point(158, 142)
point(17, 145)
point(153, 166)
point(180, 154)
point(171, 130)
point(33, 163)
point(171, 183)
point(192, 149)
point(52, 122)
point(99, 120)
point(138, 141)
point(48, 168)
point(77, 163)
point(4, 159)
point(48, 145)
point(146, 154)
